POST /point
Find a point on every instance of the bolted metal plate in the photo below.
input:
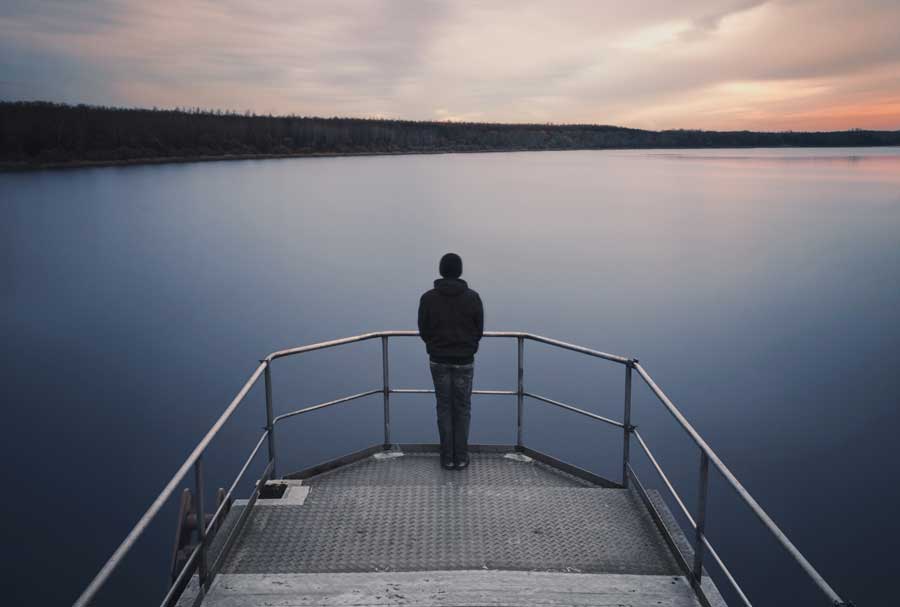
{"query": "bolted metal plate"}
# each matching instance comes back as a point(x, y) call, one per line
point(423, 469)
point(358, 528)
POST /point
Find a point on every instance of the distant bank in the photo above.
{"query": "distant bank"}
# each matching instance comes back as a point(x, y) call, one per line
point(48, 135)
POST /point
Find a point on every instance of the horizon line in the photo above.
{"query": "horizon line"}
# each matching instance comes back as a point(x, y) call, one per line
point(252, 114)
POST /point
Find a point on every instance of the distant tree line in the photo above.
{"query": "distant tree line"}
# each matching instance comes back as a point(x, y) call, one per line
point(42, 133)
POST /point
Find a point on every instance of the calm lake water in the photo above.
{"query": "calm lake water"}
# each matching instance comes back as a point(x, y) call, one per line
point(758, 287)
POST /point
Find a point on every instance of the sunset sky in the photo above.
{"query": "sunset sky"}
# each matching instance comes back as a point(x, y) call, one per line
point(713, 64)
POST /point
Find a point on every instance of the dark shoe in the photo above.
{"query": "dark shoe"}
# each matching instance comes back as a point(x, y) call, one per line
point(446, 463)
point(462, 464)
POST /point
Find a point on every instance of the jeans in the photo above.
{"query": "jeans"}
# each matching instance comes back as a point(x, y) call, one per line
point(453, 392)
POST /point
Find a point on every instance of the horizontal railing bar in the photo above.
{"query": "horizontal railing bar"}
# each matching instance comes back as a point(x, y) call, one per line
point(330, 403)
point(556, 403)
point(379, 391)
point(741, 491)
point(567, 346)
point(234, 483)
point(321, 345)
point(427, 391)
point(185, 571)
point(485, 334)
point(665, 479)
point(142, 523)
point(366, 336)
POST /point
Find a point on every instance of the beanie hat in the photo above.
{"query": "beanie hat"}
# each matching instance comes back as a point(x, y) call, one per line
point(451, 266)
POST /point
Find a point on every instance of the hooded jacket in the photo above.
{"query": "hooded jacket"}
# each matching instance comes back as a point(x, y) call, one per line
point(451, 321)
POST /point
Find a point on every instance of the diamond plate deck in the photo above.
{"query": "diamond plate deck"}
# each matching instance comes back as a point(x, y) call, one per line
point(444, 527)
point(423, 469)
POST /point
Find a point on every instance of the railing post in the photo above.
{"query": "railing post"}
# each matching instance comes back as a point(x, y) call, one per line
point(520, 393)
point(387, 391)
point(628, 428)
point(701, 517)
point(201, 524)
point(270, 425)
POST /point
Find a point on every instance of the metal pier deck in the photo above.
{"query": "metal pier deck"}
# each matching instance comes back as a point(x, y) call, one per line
point(508, 530)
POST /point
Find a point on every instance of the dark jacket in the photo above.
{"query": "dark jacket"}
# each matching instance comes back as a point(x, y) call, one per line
point(451, 321)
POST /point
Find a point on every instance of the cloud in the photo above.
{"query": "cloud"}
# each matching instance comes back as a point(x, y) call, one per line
point(709, 22)
point(696, 63)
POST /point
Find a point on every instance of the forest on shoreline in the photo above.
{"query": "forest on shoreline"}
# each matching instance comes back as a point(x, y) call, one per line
point(41, 134)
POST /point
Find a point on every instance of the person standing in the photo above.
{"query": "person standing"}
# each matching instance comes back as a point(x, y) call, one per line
point(451, 323)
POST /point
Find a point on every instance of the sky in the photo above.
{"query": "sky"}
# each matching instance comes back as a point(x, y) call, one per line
point(710, 64)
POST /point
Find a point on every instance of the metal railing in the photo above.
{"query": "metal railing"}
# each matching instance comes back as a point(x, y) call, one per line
point(197, 560)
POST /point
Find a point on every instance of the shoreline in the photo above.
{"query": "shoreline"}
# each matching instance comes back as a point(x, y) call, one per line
point(24, 167)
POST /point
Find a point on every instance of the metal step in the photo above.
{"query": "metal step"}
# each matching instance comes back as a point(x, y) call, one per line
point(450, 589)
